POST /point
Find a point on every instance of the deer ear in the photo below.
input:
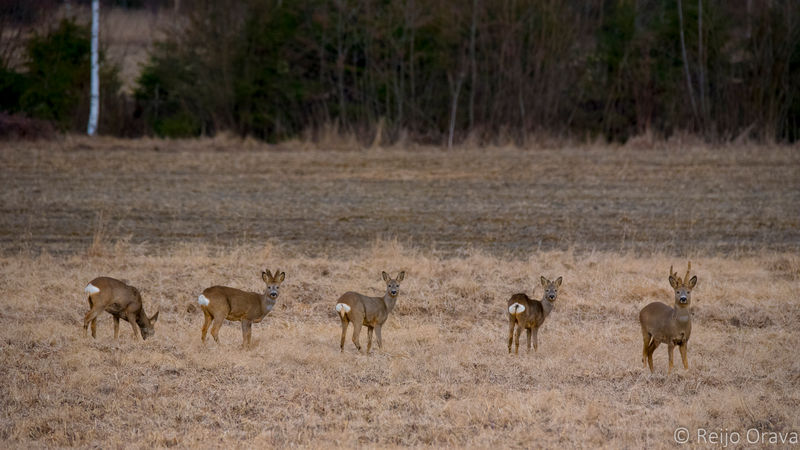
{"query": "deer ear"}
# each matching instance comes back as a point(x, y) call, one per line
point(266, 276)
point(385, 276)
point(673, 282)
point(281, 277)
point(543, 280)
point(558, 282)
point(401, 276)
point(155, 317)
point(693, 282)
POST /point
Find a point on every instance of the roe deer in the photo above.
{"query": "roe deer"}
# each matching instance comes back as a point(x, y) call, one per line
point(220, 302)
point(663, 324)
point(122, 302)
point(369, 311)
point(524, 312)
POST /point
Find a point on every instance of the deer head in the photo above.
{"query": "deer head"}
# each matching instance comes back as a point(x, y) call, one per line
point(550, 288)
point(393, 285)
point(683, 287)
point(273, 282)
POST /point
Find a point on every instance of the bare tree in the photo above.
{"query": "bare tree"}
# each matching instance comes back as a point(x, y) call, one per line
point(94, 110)
point(454, 109)
point(472, 66)
point(686, 61)
point(701, 63)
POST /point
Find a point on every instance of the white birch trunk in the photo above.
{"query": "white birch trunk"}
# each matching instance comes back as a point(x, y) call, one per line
point(94, 110)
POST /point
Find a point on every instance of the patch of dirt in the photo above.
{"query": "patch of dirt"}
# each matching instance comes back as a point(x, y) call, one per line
point(67, 197)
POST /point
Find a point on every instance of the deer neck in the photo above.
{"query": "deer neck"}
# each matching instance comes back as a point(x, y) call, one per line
point(141, 319)
point(389, 301)
point(682, 315)
point(267, 303)
point(547, 306)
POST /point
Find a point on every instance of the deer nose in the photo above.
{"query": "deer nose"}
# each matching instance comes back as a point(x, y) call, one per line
point(394, 292)
point(552, 296)
point(683, 299)
point(273, 294)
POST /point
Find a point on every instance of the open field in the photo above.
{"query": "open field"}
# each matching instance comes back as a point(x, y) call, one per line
point(469, 227)
point(59, 197)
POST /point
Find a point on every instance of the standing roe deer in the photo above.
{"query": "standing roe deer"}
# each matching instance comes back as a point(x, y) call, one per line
point(221, 302)
point(122, 302)
point(524, 312)
point(369, 311)
point(663, 324)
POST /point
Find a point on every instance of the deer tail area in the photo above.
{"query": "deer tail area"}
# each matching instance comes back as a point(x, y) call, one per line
point(342, 309)
point(203, 300)
point(515, 309)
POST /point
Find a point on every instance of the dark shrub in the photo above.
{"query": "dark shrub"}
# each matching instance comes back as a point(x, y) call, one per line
point(19, 127)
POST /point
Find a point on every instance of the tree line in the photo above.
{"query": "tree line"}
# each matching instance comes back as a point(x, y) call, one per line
point(448, 71)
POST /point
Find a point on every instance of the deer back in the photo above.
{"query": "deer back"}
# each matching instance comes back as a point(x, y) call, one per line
point(533, 312)
point(236, 304)
point(373, 309)
point(665, 323)
point(115, 296)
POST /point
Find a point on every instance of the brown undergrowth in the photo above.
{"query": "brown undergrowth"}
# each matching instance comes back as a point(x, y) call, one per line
point(443, 378)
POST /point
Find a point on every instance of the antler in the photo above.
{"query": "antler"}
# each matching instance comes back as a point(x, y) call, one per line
point(688, 269)
point(674, 275)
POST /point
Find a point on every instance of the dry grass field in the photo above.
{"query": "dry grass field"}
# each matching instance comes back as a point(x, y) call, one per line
point(470, 227)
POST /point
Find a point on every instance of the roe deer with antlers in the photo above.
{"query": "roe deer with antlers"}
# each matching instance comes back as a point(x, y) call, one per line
point(369, 311)
point(663, 324)
point(122, 302)
point(524, 312)
point(221, 302)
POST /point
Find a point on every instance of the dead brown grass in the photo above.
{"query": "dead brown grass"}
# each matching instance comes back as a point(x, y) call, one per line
point(443, 377)
point(470, 226)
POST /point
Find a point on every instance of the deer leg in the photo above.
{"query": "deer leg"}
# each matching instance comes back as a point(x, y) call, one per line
point(535, 340)
point(93, 324)
point(670, 348)
point(645, 344)
point(511, 322)
point(91, 306)
point(650, 350)
point(116, 327)
point(89, 317)
point(206, 323)
point(369, 338)
point(378, 335)
point(216, 326)
point(356, 332)
point(344, 333)
point(246, 333)
point(528, 332)
point(516, 340)
point(685, 360)
point(132, 320)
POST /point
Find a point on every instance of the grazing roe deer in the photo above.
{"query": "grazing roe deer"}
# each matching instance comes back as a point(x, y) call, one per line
point(663, 324)
point(221, 302)
point(369, 311)
point(524, 312)
point(122, 302)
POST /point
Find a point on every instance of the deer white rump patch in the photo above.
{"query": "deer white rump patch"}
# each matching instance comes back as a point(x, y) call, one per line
point(342, 308)
point(91, 289)
point(203, 300)
point(516, 308)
